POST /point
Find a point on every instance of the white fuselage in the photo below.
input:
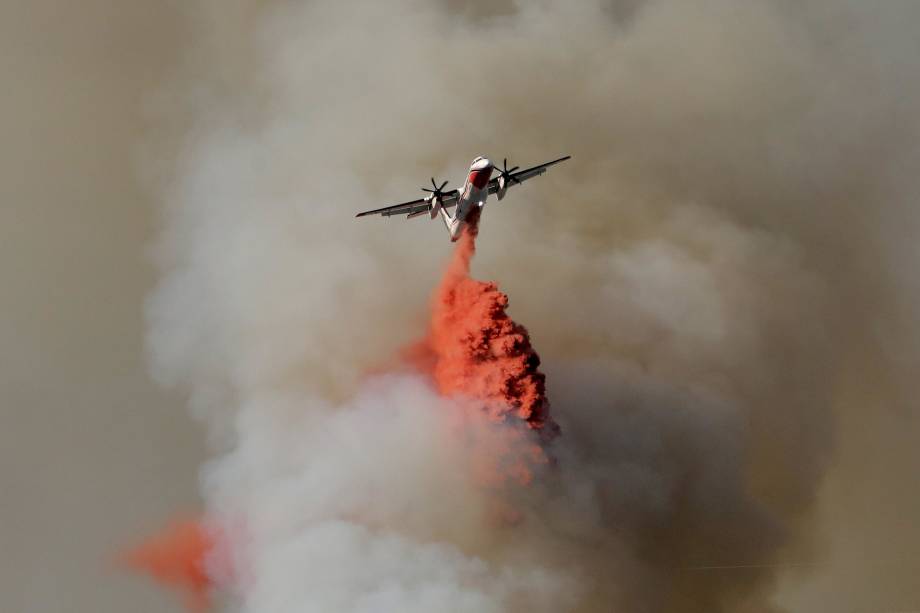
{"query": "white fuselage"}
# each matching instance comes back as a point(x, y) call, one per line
point(472, 196)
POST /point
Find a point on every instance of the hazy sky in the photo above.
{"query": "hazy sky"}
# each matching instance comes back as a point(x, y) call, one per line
point(92, 454)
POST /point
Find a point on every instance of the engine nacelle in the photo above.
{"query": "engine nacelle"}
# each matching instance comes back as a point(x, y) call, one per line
point(435, 206)
point(502, 187)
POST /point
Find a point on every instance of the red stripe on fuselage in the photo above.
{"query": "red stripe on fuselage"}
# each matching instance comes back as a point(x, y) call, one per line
point(479, 178)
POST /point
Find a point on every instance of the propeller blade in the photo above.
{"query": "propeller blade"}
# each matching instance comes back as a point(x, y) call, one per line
point(437, 192)
point(506, 172)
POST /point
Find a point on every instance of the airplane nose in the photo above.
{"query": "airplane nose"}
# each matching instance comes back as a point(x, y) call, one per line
point(480, 172)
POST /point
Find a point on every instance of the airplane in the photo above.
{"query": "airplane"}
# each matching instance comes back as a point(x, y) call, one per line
point(471, 197)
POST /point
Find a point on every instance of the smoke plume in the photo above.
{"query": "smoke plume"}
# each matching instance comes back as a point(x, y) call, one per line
point(705, 280)
point(473, 352)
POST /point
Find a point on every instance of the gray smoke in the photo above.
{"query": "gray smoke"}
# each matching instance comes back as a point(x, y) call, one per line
point(720, 276)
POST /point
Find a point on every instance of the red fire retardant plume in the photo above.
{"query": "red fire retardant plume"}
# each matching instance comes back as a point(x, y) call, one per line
point(175, 558)
point(473, 349)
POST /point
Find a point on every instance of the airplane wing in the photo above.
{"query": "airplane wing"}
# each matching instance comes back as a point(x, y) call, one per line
point(413, 208)
point(519, 176)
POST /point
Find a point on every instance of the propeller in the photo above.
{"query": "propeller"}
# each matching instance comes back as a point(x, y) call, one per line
point(437, 193)
point(505, 172)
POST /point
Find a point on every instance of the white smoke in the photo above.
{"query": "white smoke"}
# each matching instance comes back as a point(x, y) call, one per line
point(370, 506)
point(681, 278)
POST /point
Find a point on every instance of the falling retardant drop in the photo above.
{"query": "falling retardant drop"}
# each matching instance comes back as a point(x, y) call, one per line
point(175, 557)
point(473, 351)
